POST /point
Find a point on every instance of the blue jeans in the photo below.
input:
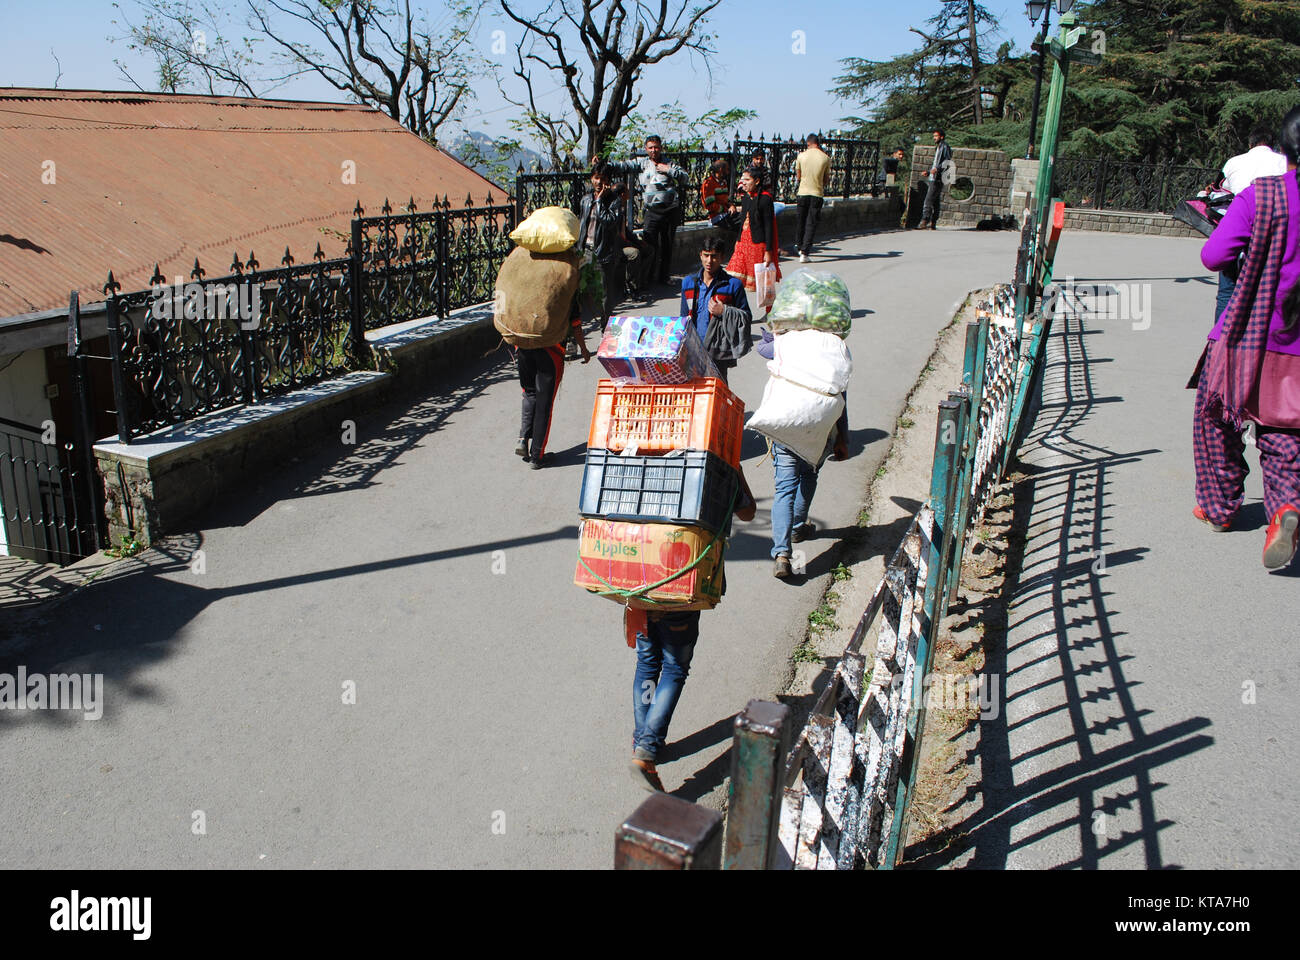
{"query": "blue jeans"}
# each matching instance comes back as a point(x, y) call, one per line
point(663, 661)
point(796, 482)
point(1226, 286)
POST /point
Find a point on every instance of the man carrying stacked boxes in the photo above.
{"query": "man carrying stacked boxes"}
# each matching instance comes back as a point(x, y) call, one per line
point(661, 484)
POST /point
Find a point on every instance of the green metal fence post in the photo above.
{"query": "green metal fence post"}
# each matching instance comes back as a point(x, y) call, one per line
point(946, 447)
point(952, 534)
point(973, 380)
point(761, 744)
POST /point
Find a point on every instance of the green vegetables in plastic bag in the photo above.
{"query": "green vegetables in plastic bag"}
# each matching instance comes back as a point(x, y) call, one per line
point(811, 300)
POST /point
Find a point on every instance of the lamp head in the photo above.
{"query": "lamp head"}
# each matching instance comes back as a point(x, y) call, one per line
point(1035, 9)
point(1064, 6)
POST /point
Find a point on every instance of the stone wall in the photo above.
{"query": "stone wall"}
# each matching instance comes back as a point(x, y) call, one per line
point(1024, 177)
point(1128, 221)
point(989, 171)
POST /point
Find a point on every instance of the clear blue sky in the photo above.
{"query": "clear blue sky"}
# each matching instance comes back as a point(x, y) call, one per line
point(754, 68)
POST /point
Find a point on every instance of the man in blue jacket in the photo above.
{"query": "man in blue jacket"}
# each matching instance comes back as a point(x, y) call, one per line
point(716, 303)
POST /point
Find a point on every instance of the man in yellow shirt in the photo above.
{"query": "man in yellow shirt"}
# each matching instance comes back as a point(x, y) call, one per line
point(811, 168)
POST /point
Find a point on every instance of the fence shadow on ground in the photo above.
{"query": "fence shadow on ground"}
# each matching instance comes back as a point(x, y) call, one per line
point(1103, 759)
point(383, 437)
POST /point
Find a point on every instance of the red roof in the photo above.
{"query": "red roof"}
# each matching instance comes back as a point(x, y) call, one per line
point(148, 178)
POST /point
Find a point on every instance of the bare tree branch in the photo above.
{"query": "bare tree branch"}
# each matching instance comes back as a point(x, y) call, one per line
point(377, 52)
point(618, 39)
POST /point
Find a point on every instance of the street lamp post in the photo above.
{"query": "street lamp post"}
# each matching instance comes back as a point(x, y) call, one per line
point(1034, 8)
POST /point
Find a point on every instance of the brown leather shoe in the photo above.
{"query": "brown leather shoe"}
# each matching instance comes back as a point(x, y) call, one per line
point(643, 771)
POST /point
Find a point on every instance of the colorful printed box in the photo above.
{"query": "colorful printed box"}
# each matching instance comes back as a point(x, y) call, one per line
point(654, 350)
point(627, 556)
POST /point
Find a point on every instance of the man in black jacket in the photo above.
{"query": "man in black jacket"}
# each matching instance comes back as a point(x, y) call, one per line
point(600, 229)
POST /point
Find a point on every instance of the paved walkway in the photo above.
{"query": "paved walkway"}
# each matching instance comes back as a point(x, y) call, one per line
point(431, 570)
point(1151, 669)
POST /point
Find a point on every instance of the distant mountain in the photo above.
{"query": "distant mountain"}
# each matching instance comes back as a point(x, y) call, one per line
point(481, 152)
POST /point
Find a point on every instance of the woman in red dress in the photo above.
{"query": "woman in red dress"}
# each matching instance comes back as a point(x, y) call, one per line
point(758, 240)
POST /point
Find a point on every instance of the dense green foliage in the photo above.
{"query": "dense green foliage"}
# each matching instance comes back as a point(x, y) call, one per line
point(1179, 79)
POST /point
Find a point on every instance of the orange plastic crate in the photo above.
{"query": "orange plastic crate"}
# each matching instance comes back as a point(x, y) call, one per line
point(700, 415)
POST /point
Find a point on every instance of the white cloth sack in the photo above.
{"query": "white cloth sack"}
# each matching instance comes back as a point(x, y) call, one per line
point(796, 417)
point(814, 359)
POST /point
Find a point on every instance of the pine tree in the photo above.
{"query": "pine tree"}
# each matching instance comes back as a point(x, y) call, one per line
point(940, 83)
point(1182, 80)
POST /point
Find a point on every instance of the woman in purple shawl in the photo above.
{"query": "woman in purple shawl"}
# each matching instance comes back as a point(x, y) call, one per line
point(1250, 370)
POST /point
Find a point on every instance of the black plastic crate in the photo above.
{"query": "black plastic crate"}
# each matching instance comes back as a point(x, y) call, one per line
point(685, 486)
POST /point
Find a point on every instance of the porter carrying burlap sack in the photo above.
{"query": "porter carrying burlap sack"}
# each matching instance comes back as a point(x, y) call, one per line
point(534, 295)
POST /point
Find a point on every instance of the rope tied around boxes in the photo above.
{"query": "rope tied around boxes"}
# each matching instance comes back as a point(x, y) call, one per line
point(639, 592)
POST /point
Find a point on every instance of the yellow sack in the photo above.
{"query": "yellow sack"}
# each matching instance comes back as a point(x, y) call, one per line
point(548, 230)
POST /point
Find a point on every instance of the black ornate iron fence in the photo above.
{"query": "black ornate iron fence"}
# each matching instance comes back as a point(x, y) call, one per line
point(181, 350)
point(477, 239)
point(854, 169)
point(185, 349)
point(855, 164)
point(1100, 183)
point(556, 189)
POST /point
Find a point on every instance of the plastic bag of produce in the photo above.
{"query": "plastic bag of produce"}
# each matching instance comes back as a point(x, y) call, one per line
point(811, 300)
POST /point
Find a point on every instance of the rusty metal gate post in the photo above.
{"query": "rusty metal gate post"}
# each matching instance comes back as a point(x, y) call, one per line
point(758, 752)
point(89, 487)
point(668, 833)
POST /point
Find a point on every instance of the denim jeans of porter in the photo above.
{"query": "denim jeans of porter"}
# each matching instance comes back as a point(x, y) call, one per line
point(663, 661)
point(1226, 285)
point(796, 482)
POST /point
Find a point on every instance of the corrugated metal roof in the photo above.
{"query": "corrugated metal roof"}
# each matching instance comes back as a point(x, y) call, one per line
point(92, 181)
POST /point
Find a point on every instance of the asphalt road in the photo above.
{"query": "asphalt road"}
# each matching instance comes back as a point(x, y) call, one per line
point(430, 571)
point(1150, 675)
